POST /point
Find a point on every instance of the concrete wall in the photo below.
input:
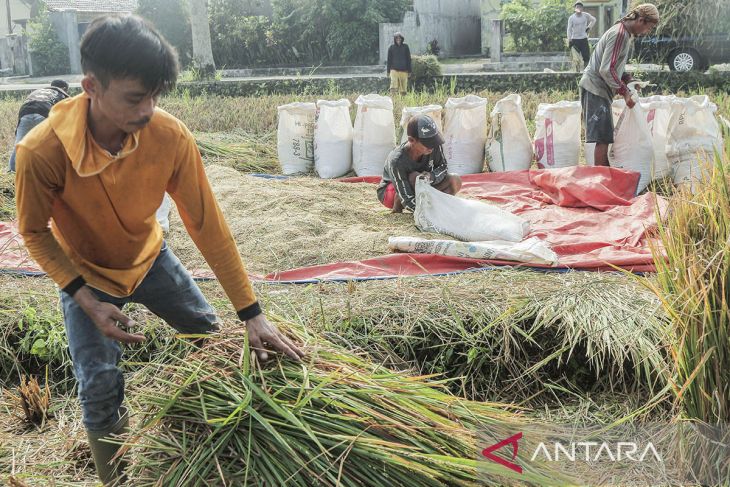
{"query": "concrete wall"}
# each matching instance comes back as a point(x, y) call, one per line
point(18, 11)
point(66, 24)
point(490, 11)
point(455, 24)
point(14, 55)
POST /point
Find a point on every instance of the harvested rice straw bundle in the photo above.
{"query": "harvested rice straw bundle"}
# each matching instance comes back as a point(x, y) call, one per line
point(218, 418)
point(243, 152)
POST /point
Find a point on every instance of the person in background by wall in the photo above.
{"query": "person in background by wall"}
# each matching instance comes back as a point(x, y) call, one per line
point(579, 24)
point(35, 109)
point(399, 64)
point(605, 76)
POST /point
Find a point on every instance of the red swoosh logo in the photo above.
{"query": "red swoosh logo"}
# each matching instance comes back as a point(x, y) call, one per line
point(512, 440)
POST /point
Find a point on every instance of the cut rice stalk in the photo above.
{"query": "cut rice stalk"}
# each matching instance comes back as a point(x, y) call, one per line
point(334, 420)
point(33, 401)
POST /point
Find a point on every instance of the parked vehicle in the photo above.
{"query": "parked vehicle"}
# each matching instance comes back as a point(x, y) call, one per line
point(686, 53)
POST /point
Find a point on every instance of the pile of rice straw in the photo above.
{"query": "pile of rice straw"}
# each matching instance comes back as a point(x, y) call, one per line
point(280, 225)
point(217, 417)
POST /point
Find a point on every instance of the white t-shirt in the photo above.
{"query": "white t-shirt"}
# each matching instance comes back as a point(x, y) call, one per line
point(579, 24)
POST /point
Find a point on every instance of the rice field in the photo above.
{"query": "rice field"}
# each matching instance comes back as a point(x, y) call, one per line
point(506, 345)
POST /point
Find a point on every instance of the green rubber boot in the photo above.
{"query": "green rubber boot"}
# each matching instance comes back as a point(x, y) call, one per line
point(102, 450)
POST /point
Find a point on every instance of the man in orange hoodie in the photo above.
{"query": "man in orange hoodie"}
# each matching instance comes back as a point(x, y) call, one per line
point(98, 169)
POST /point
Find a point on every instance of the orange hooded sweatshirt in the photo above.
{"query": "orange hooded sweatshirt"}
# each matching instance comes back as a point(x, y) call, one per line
point(102, 207)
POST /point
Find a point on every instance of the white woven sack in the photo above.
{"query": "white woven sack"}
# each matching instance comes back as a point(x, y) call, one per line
point(465, 132)
point(333, 139)
point(632, 147)
point(295, 137)
point(467, 220)
point(557, 134)
point(531, 250)
point(374, 134)
point(658, 110)
point(433, 111)
point(617, 108)
point(694, 137)
point(509, 147)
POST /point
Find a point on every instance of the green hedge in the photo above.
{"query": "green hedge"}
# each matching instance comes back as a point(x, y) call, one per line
point(667, 82)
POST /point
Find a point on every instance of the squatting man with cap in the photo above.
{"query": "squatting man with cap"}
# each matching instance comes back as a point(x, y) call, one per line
point(579, 24)
point(97, 169)
point(605, 76)
point(35, 109)
point(420, 155)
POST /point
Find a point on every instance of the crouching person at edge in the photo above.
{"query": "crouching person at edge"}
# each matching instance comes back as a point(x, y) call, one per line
point(421, 154)
point(98, 170)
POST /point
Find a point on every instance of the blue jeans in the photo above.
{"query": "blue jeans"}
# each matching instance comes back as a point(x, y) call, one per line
point(170, 293)
point(25, 125)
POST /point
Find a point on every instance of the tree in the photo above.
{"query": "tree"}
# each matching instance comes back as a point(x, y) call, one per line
point(241, 39)
point(49, 55)
point(537, 28)
point(172, 19)
point(335, 30)
point(692, 17)
point(202, 52)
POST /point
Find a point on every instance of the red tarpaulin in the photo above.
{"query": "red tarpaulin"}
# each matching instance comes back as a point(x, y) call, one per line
point(13, 256)
point(588, 215)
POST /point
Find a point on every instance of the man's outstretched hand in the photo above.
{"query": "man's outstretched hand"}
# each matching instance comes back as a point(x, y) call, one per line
point(108, 318)
point(265, 337)
point(629, 101)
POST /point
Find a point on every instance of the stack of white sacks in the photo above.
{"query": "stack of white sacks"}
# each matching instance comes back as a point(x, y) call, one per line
point(662, 136)
point(681, 134)
point(695, 137)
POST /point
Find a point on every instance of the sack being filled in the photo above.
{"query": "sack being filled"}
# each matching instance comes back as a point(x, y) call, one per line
point(467, 220)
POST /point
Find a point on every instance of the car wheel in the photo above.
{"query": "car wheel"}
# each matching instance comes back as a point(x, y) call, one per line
point(684, 60)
